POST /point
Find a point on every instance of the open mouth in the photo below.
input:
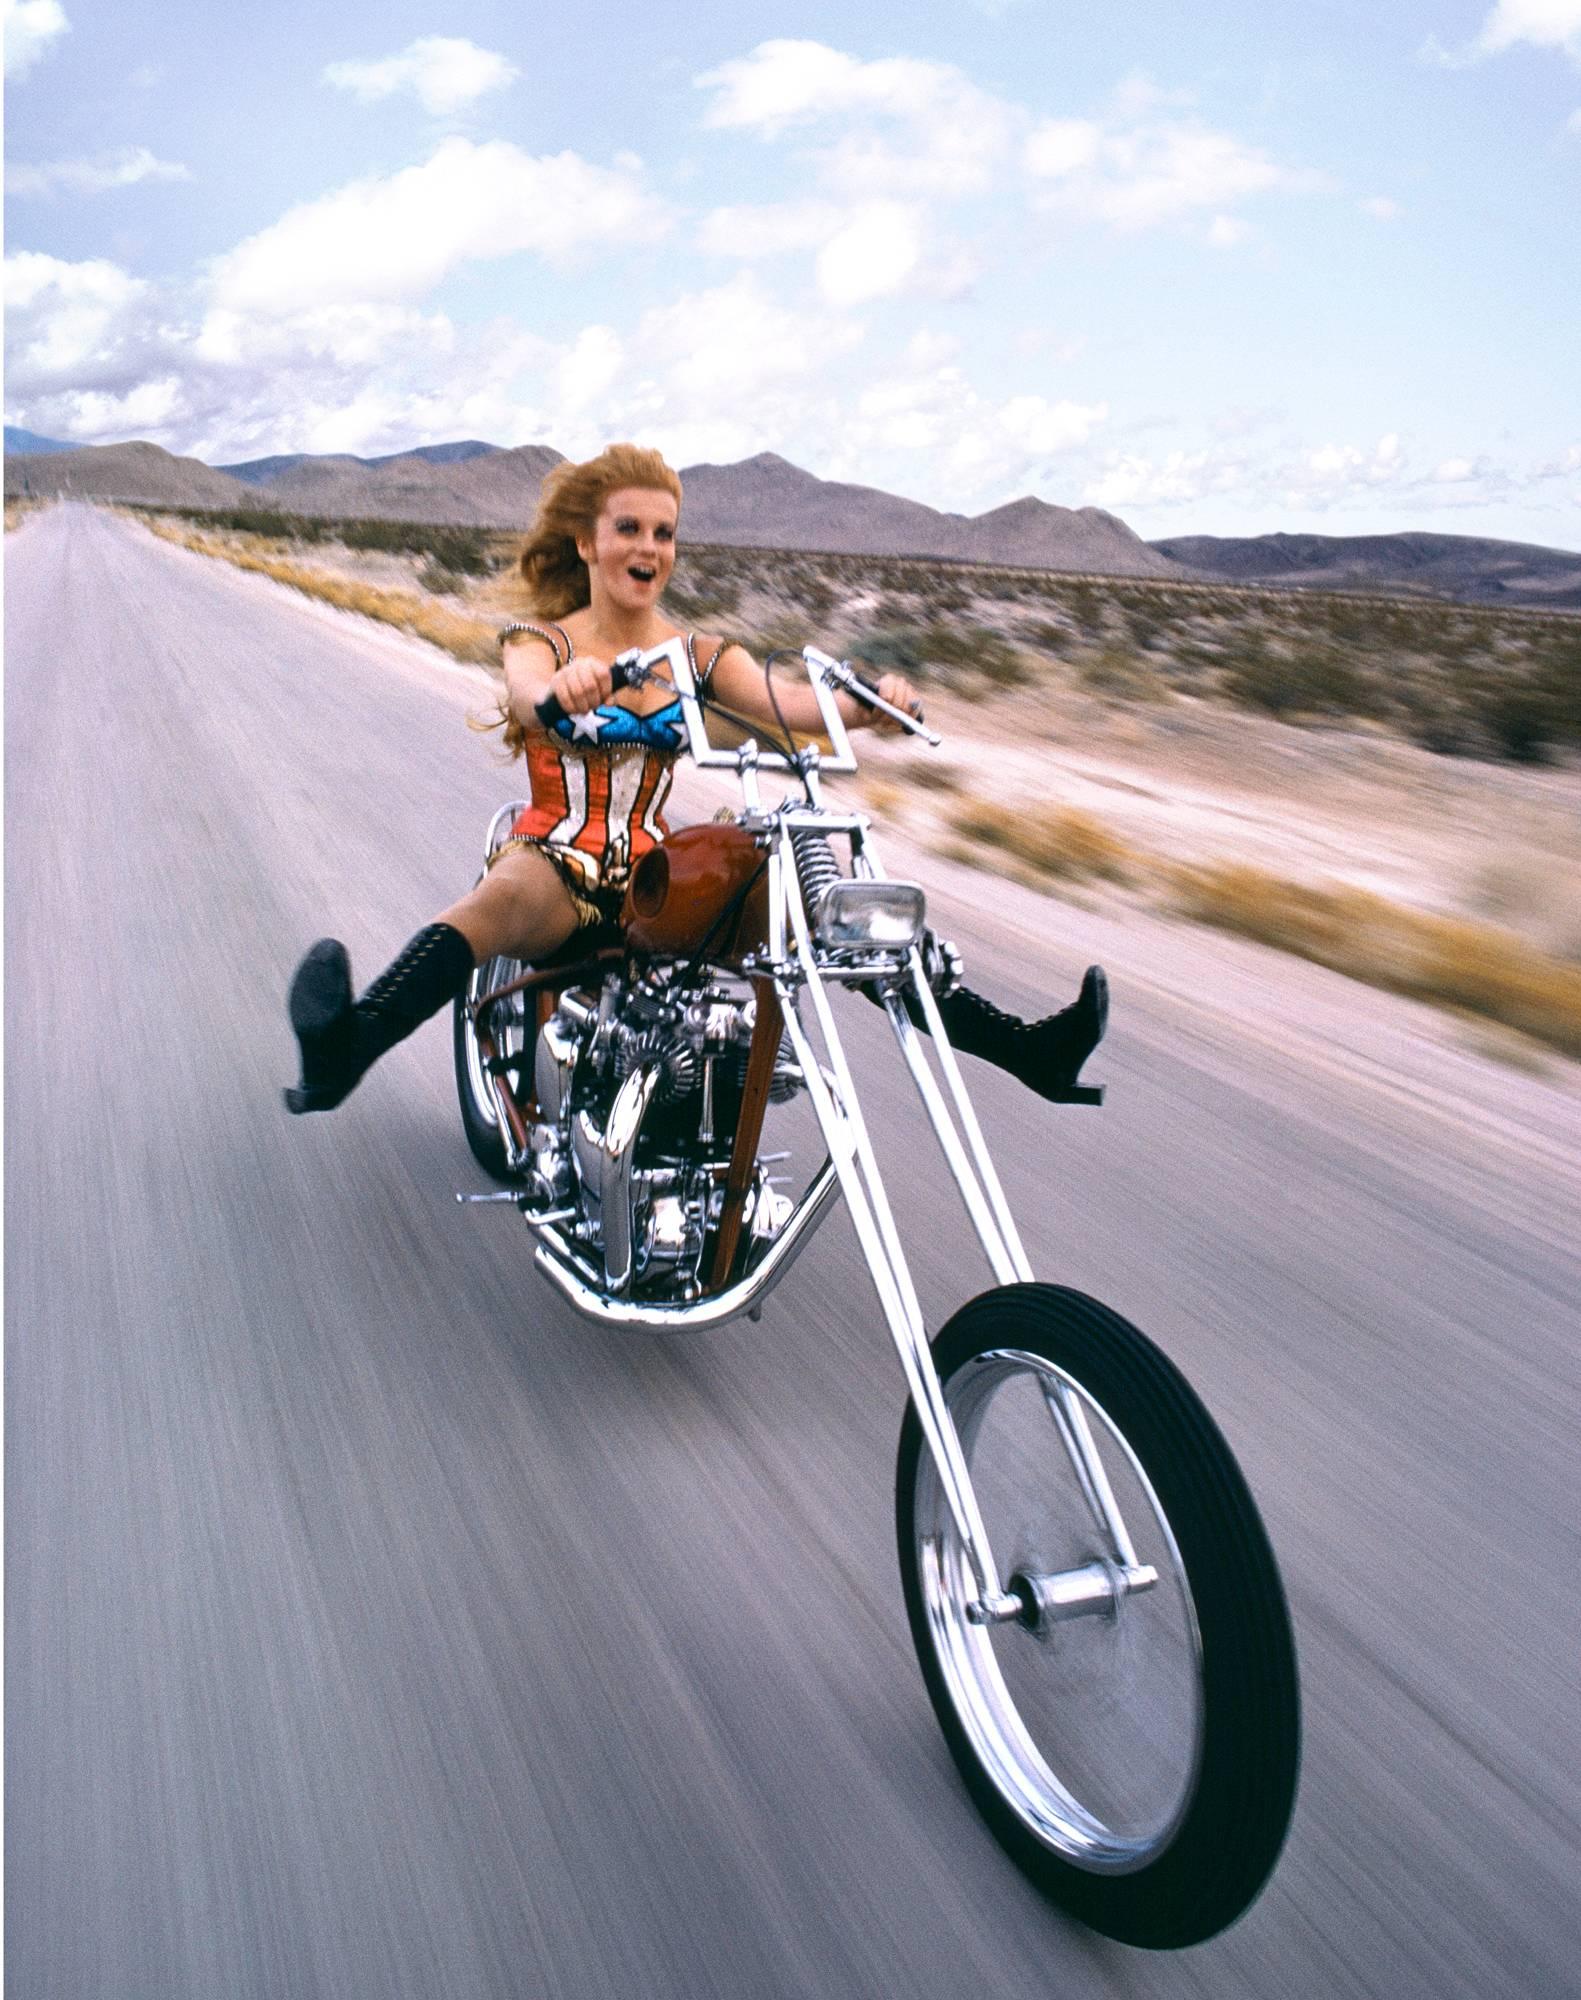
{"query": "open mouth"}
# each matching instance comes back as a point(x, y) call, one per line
point(641, 572)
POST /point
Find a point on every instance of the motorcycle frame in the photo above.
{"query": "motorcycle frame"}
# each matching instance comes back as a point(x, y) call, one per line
point(794, 964)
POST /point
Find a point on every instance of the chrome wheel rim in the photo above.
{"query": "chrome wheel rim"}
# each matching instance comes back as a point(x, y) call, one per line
point(510, 1037)
point(1090, 1732)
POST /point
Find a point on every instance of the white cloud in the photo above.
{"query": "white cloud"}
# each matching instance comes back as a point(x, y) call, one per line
point(1381, 207)
point(873, 255)
point(588, 370)
point(1225, 231)
point(1061, 146)
point(1131, 479)
point(71, 323)
point(396, 237)
point(96, 176)
point(910, 130)
point(356, 337)
point(1544, 24)
point(445, 73)
point(976, 445)
point(1159, 171)
point(730, 342)
point(1338, 466)
point(768, 229)
point(31, 26)
point(953, 135)
point(1552, 24)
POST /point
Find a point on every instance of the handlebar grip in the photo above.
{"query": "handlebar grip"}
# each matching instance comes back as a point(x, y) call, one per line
point(549, 711)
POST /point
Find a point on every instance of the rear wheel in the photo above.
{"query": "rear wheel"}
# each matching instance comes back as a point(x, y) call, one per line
point(513, 1037)
point(1133, 1737)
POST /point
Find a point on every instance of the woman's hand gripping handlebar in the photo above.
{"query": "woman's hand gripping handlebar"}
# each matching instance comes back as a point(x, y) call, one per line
point(584, 684)
point(840, 674)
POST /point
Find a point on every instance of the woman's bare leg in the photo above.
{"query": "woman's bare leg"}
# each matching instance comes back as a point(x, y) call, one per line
point(521, 909)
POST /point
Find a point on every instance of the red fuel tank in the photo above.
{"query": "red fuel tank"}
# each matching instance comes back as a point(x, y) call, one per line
point(705, 885)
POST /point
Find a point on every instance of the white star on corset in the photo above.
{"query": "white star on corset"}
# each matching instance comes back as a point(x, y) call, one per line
point(586, 726)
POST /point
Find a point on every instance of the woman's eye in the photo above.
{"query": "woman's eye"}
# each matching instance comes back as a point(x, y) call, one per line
point(664, 535)
point(625, 527)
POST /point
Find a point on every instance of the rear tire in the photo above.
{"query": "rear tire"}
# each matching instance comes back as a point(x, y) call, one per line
point(1138, 1763)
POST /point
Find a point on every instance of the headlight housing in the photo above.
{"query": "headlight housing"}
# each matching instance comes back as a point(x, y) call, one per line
point(869, 916)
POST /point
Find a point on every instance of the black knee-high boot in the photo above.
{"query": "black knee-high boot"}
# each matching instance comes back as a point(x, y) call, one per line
point(340, 1038)
point(1045, 1055)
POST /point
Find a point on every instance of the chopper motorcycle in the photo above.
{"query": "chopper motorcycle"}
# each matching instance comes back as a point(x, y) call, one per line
point(1094, 1603)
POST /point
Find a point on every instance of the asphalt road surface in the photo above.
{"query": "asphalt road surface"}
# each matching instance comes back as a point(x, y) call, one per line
point(377, 1628)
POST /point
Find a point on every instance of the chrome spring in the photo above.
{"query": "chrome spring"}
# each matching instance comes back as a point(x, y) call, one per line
point(816, 866)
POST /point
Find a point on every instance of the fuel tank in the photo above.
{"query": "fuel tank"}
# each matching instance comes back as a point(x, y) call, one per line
point(704, 888)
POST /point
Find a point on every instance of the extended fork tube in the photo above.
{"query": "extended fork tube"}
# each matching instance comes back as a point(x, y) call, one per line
point(991, 1215)
point(834, 1099)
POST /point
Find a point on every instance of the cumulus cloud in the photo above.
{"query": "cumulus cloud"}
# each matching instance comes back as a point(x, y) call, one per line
point(73, 323)
point(1543, 24)
point(397, 236)
point(872, 255)
point(905, 128)
point(1225, 231)
point(751, 230)
point(95, 176)
point(1282, 478)
point(1154, 169)
point(444, 72)
point(1552, 24)
point(863, 250)
point(912, 126)
point(977, 445)
point(31, 28)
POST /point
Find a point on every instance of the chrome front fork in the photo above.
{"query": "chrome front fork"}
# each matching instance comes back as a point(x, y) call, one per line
point(1036, 1601)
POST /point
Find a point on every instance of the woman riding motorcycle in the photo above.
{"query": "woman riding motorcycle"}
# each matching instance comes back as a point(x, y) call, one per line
point(595, 564)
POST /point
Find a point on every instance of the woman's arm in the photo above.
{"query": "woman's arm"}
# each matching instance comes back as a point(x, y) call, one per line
point(532, 671)
point(738, 684)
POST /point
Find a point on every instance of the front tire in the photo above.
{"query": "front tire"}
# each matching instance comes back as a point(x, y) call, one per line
point(479, 1118)
point(1138, 1762)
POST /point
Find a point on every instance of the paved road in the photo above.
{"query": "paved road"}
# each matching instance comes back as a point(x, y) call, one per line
point(377, 1629)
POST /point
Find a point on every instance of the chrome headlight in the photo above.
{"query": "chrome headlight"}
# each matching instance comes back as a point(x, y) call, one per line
point(869, 916)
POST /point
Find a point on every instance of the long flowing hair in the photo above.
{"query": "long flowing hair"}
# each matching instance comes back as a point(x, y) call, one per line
point(555, 577)
point(569, 503)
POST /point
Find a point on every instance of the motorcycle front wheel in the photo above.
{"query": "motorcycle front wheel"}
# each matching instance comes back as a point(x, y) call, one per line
point(1133, 1737)
point(479, 1117)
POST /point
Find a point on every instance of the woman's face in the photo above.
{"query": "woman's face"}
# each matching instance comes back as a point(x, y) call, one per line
point(632, 550)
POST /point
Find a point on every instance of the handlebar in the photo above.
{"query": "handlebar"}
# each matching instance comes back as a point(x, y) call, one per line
point(631, 669)
point(841, 674)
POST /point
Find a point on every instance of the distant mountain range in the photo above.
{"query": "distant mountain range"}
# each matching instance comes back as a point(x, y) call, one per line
point(766, 502)
point(24, 442)
point(1463, 566)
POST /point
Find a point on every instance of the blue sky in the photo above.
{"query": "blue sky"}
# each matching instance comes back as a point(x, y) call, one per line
point(1222, 269)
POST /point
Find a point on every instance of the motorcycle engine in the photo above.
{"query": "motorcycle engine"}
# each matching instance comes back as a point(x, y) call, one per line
point(665, 1162)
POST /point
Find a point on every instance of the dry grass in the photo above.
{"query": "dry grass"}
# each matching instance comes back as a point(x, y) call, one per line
point(1452, 961)
point(17, 511)
point(1060, 842)
point(441, 623)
